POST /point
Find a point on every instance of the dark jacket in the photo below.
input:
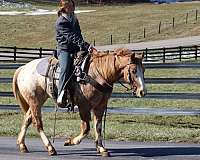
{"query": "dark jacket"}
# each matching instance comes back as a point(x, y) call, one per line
point(68, 34)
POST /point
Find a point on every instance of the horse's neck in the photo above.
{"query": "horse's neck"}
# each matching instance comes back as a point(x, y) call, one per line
point(105, 71)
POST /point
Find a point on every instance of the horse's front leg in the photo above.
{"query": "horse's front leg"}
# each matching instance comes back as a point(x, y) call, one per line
point(98, 114)
point(85, 128)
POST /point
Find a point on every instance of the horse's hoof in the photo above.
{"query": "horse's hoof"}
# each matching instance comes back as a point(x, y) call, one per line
point(23, 149)
point(68, 142)
point(105, 154)
point(52, 152)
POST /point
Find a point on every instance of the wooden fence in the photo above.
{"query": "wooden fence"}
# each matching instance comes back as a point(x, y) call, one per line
point(23, 54)
point(171, 54)
point(151, 55)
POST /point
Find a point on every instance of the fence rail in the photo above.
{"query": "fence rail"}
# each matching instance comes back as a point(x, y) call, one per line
point(147, 65)
point(188, 96)
point(150, 55)
point(147, 80)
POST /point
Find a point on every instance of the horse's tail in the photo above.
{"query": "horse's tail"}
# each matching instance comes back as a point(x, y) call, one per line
point(20, 99)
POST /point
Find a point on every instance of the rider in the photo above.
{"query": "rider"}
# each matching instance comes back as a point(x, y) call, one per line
point(69, 41)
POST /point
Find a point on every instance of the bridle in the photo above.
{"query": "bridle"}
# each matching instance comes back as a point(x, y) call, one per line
point(132, 83)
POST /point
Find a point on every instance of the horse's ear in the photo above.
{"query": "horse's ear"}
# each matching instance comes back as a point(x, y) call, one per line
point(133, 57)
point(142, 55)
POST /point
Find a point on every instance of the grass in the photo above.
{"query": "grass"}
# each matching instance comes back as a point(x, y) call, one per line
point(131, 102)
point(12, 101)
point(154, 103)
point(162, 88)
point(173, 73)
point(39, 31)
point(6, 73)
point(118, 127)
point(7, 101)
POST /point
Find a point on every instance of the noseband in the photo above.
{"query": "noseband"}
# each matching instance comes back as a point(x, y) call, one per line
point(132, 82)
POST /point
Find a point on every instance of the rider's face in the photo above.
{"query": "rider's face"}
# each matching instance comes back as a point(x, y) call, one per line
point(69, 7)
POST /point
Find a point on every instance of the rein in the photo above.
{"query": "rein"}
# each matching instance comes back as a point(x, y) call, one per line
point(56, 108)
point(127, 89)
point(107, 88)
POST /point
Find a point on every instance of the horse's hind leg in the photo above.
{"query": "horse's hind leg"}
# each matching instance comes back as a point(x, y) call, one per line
point(98, 114)
point(85, 128)
point(35, 106)
point(21, 138)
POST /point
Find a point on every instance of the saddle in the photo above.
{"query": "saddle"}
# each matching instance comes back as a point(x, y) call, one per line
point(49, 67)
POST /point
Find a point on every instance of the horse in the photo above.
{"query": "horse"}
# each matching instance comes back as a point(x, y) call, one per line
point(30, 90)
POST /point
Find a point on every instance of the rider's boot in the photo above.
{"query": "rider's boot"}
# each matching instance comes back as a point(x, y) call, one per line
point(63, 99)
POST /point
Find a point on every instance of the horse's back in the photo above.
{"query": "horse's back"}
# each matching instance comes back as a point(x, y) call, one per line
point(28, 78)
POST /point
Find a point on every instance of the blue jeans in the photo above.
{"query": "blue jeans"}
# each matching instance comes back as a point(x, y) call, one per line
point(65, 61)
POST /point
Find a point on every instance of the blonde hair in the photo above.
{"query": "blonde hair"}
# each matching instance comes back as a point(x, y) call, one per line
point(63, 4)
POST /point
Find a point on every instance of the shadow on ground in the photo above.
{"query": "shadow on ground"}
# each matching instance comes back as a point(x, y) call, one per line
point(156, 152)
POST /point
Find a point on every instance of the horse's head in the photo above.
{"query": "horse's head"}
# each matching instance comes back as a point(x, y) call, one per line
point(132, 70)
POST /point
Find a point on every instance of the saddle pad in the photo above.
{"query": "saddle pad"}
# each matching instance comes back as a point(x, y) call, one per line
point(42, 68)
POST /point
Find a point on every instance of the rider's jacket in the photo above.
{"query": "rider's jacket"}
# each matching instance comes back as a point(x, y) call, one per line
point(68, 34)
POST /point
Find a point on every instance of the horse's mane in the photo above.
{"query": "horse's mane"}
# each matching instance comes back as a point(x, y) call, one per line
point(118, 52)
point(105, 61)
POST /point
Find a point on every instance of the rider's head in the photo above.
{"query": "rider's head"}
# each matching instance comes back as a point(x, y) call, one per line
point(66, 6)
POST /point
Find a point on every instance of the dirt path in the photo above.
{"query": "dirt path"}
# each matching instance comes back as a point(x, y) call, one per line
point(187, 41)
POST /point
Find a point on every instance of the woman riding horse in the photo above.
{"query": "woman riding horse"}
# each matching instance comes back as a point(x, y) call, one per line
point(31, 91)
point(105, 69)
point(69, 41)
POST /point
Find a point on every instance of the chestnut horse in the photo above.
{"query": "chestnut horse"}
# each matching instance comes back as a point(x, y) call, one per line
point(29, 89)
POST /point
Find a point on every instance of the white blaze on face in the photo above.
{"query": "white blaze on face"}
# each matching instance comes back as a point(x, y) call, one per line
point(140, 79)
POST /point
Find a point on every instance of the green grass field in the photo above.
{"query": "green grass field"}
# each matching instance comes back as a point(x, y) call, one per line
point(118, 127)
point(39, 31)
point(123, 127)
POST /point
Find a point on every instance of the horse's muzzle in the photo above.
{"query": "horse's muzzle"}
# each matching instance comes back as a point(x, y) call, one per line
point(140, 93)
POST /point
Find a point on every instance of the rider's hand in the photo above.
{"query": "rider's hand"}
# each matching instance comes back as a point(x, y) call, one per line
point(91, 49)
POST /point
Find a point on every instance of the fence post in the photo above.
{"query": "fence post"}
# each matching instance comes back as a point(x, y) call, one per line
point(173, 23)
point(144, 32)
point(129, 37)
point(146, 54)
point(159, 29)
point(180, 53)
point(164, 54)
point(94, 42)
point(196, 15)
point(15, 53)
point(111, 39)
point(196, 52)
point(186, 21)
point(40, 52)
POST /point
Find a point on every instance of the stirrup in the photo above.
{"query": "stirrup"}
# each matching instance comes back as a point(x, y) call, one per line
point(61, 103)
point(82, 78)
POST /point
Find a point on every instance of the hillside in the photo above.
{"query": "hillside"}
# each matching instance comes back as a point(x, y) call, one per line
point(39, 31)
